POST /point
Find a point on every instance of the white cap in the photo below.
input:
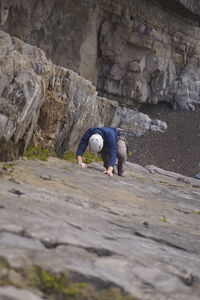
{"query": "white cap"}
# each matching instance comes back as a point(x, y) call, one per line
point(96, 142)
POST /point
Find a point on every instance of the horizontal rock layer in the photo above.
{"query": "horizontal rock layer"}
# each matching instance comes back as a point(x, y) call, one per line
point(135, 51)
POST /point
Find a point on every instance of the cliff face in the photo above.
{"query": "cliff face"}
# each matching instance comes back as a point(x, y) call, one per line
point(54, 104)
point(133, 51)
point(28, 80)
point(139, 233)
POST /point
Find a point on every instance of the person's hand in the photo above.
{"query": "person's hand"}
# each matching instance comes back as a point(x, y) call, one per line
point(108, 172)
point(83, 165)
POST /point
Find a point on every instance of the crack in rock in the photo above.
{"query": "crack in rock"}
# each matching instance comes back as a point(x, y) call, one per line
point(16, 192)
point(161, 241)
point(100, 252)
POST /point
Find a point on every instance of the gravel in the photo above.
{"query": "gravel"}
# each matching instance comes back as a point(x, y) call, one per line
point(178, 149)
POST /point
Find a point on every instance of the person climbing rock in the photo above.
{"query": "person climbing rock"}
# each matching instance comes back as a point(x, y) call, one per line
point(109, 143)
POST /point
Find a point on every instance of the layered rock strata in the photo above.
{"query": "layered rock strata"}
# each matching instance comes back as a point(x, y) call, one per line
point(135, 52)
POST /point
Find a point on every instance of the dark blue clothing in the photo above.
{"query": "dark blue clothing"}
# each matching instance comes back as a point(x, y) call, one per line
point(109, 136)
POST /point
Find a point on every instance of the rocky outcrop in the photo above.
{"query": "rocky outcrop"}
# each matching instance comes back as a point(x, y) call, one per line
point(135, 52)
point(21, 93)
point(53, 103)
point(154, 57)
point(140, 232)
point(27, 79)
point(189, 9)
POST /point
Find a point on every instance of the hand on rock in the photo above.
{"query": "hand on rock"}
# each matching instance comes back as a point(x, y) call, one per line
point(83, 165)
point(109, 173)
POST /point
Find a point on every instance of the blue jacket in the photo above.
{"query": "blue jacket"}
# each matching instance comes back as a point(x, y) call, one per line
point(109, 136)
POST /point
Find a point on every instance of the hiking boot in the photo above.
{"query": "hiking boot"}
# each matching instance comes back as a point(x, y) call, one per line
point(121, 173)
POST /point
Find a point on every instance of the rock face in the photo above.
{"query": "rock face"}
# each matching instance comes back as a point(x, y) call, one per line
point(11, 293)
point(53, 103)
point(135, 52)
point(21, 93)
point(27, 79)
point(140, 232)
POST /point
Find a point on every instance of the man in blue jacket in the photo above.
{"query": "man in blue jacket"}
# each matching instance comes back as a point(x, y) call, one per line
point(111, 145)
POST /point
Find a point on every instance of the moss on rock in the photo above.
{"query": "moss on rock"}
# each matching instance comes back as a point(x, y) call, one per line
point(38, 152)
point(58, 286)
point(88, 157)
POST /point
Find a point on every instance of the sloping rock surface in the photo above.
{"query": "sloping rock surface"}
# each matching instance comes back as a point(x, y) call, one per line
point(140, 232)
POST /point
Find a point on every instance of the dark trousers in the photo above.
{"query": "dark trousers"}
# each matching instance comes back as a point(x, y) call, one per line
point(121, 155)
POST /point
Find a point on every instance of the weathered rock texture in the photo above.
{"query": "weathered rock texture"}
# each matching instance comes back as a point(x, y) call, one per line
point(54, 103)
point(134, 51)
point(140, 232)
